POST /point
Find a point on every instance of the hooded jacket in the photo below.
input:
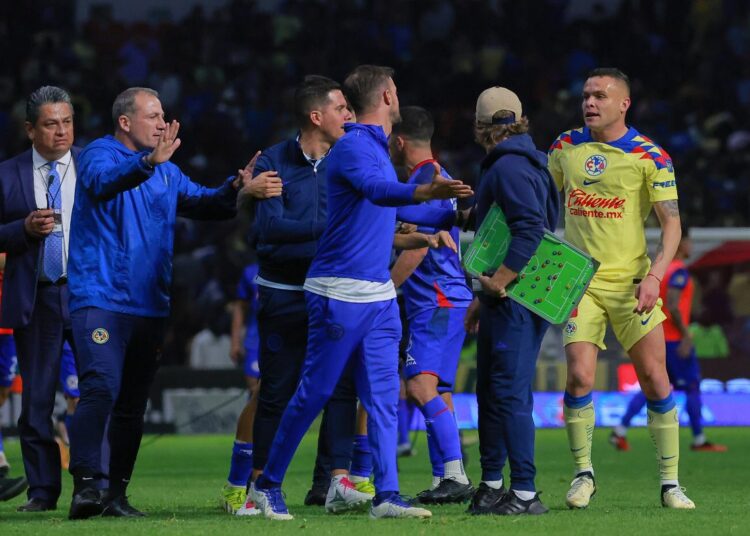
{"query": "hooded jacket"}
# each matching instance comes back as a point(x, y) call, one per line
point(514, 176)
point(122, 228)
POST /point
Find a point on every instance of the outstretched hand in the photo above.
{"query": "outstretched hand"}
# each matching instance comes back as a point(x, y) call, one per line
point(442, 188)
point(166, 146)
point(441, 239)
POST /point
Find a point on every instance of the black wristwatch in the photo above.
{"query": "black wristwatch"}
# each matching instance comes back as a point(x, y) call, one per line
point(148, 165)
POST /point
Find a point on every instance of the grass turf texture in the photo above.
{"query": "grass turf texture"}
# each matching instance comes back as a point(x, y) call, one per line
point(177, 482)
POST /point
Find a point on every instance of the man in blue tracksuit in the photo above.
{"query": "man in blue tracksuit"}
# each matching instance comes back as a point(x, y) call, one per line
point(350, 297)
point(436, 297)
point(120, 270)
point(514, 176)
point(288, 229)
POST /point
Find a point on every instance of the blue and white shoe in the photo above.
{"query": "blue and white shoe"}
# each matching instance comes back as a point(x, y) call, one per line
point(397, 506)
point(270, 502)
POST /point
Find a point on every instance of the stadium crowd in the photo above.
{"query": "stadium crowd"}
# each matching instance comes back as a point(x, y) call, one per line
point(228, 75)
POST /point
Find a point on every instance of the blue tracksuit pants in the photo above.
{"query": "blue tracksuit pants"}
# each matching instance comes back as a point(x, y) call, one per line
point(339, 331)
point(507, 350)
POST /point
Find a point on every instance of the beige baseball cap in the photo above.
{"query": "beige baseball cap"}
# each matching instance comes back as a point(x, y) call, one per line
point(495, 99)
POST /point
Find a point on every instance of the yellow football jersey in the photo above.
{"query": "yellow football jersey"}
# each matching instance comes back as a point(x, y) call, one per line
point(608, 192)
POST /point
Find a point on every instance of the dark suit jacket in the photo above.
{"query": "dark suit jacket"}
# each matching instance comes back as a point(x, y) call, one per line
point(22, 260)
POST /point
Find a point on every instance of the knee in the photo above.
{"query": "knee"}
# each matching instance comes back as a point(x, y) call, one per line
point(422, 388)
point(580, 381)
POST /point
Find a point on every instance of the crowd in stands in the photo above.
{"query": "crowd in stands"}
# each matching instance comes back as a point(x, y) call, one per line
point(227, 75)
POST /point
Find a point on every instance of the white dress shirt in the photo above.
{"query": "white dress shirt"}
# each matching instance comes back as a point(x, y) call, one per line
point(67, 170)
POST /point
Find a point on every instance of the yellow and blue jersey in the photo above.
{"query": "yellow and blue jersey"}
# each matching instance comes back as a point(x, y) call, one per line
point(609, 189)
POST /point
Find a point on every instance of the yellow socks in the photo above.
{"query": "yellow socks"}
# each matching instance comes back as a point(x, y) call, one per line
point(664, 428)
point(579, 422)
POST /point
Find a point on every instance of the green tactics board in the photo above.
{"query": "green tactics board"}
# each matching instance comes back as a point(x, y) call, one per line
point(550, 285)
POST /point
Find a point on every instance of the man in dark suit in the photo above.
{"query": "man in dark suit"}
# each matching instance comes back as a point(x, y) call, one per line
point(37, 190)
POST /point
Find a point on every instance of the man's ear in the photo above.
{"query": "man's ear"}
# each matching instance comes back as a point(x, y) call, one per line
point(316, 118)
point(387, 97)
point(123, 122)
point(29, 130)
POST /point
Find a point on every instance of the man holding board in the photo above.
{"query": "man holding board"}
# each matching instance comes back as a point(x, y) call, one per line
point(515, 178)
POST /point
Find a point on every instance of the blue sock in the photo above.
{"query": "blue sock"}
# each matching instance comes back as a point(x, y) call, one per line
point(442, 426)
point(577, 402)
point(661, 406)
point(242, 464)
point(2, 447)
point(693, 406)
point(436, 457)
point(361, 457)
point(634, 408)
point(403, 422)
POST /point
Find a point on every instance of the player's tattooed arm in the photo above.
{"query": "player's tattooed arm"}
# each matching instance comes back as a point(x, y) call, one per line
point(668, 213)
point(647, 291)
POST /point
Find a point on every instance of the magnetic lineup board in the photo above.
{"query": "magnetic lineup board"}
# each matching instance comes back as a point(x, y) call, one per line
point(553, 281)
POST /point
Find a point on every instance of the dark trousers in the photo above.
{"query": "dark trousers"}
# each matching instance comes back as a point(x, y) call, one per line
point(282, 326)
point(118, 356)
point(507, 350)
point(39, 347)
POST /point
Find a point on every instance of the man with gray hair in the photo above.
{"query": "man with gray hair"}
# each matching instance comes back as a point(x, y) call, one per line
point(128, 197)
point(36, 201)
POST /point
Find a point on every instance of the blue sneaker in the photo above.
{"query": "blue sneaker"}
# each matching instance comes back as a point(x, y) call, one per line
point(270, 502)
point(397, 506)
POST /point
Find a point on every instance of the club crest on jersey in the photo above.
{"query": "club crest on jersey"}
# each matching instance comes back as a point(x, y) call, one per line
point(570, 328)
point(595, 165)
point(100, 336)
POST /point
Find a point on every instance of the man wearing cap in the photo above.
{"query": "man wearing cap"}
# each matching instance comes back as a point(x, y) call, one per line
point(514, 176)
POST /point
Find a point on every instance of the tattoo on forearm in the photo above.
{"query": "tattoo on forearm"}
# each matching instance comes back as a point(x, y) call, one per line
point(671, 207)
point(660, 247)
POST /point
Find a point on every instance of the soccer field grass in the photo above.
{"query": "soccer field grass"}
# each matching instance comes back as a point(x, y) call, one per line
point(177, 481)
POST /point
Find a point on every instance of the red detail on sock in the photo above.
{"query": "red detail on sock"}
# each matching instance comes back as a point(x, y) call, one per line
point(446, 408)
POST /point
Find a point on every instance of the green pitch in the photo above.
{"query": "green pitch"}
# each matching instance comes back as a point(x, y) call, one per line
point(553, 281)
point(177, 482)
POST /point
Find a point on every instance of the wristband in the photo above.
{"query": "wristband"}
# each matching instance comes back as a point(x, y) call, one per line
point(652, 275)
point(147, 164)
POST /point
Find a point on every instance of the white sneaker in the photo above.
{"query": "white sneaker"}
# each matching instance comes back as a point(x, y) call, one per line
point(343, 495)
point(675, 497)
point(396, 506)
point(270, 502)
point(248, 509)
point(582, 488)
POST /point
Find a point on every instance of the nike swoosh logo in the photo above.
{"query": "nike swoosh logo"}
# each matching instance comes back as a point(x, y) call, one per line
point(667, 457)
point(576, 450)
point(587, 182)
point(644, 322)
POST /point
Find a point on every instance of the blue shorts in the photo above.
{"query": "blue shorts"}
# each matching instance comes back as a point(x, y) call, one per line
point(251, 362)
point(436, 337)
point(69, 373)
point(683, 372)
point(8, 360)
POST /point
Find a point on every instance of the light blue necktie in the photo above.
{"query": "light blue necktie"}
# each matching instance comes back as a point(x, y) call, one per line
point(53, 244)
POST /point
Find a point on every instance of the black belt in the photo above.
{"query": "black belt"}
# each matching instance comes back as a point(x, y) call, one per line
point(60, 282)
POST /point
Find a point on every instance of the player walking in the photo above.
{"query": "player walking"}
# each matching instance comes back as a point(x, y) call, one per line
point(612, 176)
